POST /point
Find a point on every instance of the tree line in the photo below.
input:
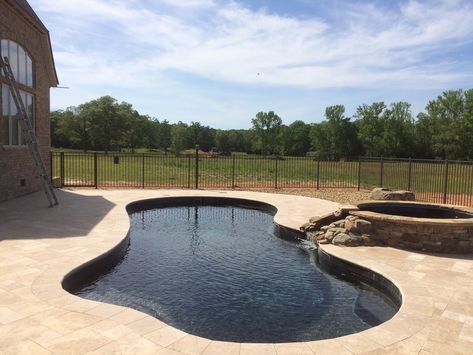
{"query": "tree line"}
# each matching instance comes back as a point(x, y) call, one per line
point(443, 130)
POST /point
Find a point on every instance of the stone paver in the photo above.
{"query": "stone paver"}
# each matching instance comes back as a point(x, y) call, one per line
point(38, 246)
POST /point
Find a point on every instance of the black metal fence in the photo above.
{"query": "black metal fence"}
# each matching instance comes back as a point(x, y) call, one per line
point(440, 181)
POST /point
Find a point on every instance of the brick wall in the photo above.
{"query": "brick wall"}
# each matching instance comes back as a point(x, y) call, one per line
point(17, 172)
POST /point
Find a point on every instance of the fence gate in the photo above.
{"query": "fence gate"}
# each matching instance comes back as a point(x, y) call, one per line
point(73, 169)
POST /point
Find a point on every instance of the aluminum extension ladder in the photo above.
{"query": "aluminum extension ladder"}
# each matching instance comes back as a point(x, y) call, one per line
point(28, 133)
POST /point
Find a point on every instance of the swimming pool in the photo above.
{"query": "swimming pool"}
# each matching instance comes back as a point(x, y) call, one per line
point(222, 269)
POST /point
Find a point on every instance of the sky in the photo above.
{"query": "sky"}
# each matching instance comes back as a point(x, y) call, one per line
point(220, 62)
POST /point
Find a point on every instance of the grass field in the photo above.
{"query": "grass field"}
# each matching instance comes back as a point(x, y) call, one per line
point(427, 178)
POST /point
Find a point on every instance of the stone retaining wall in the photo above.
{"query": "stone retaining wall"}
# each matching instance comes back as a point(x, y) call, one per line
point(435, 235)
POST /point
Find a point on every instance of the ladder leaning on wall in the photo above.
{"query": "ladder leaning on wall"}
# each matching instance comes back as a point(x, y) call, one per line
point(28, 132)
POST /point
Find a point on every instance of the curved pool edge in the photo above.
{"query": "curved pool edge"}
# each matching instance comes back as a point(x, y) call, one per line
point(399, 327)
point(334, 265)
point(354, 271)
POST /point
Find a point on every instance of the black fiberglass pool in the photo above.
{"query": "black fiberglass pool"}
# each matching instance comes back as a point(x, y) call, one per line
point(221, 272)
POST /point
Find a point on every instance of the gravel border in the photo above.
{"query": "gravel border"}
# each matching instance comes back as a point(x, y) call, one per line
point(342, 196)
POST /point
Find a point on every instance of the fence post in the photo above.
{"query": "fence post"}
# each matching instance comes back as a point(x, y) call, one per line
point(188, 171)
point(233, 171)
point(276, 174)
point(197, 166)
point(142, 170)
point(359, 173)
point(381, 182)
point(445, 185)
point(95, 171)
point(318, 173)
point(409, 181)
point(61, 160)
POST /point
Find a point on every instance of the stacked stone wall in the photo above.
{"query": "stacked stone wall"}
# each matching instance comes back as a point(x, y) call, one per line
point(425, 236)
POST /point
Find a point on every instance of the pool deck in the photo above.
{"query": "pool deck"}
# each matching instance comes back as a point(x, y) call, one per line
point(38, 246)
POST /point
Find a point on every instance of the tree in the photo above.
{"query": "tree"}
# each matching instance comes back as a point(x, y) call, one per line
point(202, 135)
point(61, 135)
point(467, 124)
point(266, 126)
point(370, 127)
point(222, 142)
point(449, 119)
point(335, 137)
point(109, 121)
point(398, 131)
point(295, 138)
point(73, 128)
point(424, 133)
point(165, 136)
point(443, 130)
point(139, 126)
point(179, 137)
point(320, 138)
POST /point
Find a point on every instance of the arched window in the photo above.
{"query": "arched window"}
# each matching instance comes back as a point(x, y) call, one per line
point(20, 62)
point(22, 67)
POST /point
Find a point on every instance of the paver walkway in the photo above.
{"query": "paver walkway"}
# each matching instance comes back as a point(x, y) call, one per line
point(38, 246)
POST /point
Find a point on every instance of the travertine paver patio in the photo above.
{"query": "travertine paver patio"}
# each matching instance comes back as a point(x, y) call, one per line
point(40, 245)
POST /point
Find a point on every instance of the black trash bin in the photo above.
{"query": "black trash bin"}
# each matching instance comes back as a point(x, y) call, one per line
point(116, 159)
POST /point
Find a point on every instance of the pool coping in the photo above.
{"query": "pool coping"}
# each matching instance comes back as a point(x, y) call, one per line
point(467, 222)
point(52, 320)
point(88, 272)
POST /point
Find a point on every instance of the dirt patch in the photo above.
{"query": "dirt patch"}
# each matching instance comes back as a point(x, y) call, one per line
point(343, 196)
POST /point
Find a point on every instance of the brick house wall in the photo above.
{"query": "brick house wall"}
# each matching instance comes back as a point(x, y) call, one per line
point(18, 23)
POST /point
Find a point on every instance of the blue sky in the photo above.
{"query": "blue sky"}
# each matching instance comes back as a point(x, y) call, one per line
point(221, 62)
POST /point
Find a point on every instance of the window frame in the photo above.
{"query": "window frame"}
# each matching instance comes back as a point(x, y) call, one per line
point(27, 91)
point(28, 71)
point(11, 113)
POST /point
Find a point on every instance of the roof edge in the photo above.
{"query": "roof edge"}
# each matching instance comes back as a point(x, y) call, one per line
point(24, 8)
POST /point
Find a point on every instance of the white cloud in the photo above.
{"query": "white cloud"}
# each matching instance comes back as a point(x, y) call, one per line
point(368, 47)
point(190, 4)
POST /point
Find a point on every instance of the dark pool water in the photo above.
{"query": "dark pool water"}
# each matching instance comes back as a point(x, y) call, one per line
point(418, 211)
point(221, 273)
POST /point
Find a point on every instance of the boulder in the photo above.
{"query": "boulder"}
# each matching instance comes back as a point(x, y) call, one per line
point(340, 223)
point(341, 239)
point(355, 240)
point(329, 235)
point(359, 226)
point(382, 194)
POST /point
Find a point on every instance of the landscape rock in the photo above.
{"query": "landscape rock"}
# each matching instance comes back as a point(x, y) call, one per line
point(340, 223)
point(381, 194)
point(329, 235)
point(363, 226)
point(359, 226)
point(341, 239)
point(355, 240)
